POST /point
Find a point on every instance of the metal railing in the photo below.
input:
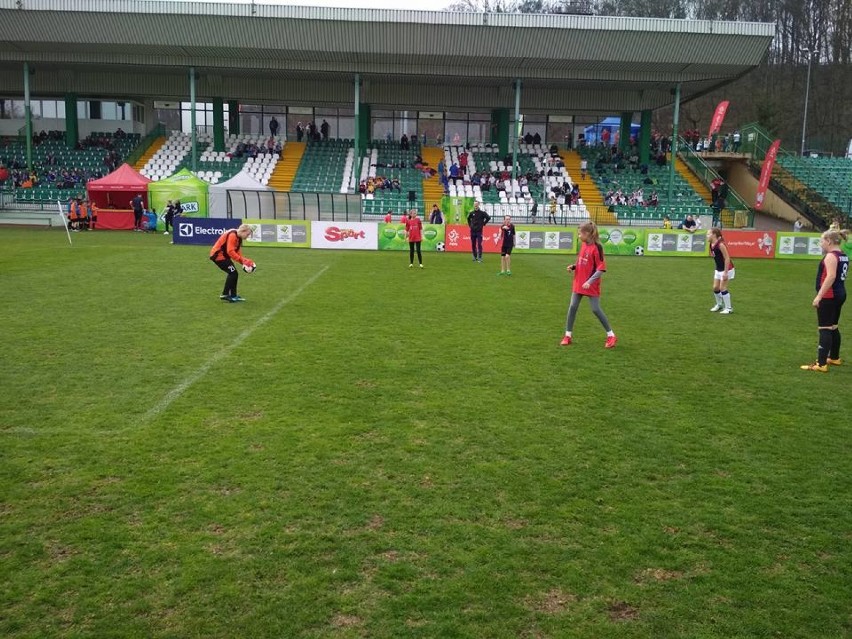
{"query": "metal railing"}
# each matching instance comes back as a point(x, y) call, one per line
point(707, 174)
point(279, 205)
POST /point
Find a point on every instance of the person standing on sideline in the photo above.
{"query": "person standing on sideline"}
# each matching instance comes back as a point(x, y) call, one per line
point(507, 243)
point(831, 293)
point(388, 217)
point(551, 210)
point(723, 272)
point(169, 216)
point(588, 270)
point(476, 220)
point(436, 217)
point(138, 211)
point(224, 253)
point(414, 235)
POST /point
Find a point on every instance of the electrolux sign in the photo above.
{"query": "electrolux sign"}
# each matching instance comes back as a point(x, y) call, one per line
point(201, 230)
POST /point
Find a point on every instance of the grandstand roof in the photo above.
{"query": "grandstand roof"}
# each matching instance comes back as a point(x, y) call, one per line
point(292, 54)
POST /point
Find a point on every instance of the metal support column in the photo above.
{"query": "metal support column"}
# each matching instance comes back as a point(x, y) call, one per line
point(194, 135)
point(356, 165)
point(28, 116)
point(516, 130)
point(675, 127)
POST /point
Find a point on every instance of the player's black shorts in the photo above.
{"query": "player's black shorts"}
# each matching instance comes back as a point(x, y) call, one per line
point(828, 311)
point(226, 265)
point(506, 250)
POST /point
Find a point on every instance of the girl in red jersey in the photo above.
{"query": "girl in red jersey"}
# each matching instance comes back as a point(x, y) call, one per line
point(831, 293)
point(414, 235)
point(723, 273)
point(224, 253)
point(587, 271)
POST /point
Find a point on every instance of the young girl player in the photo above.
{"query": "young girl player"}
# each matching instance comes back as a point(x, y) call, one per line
point(723, 273)
point(588, 271)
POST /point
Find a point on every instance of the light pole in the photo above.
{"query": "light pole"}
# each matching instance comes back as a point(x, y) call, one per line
point(807, 91)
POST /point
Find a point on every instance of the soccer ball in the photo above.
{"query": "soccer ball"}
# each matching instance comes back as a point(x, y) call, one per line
point(639, 250)
point(440, 247)
point(250, 268)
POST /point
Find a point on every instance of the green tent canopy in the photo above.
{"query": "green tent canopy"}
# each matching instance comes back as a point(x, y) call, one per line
point(183, 186)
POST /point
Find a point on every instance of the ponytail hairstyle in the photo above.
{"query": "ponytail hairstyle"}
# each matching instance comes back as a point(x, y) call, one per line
point(717, 232)
point(591, 230)
point(835, 238)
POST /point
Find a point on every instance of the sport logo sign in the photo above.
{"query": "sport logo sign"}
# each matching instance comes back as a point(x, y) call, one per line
point(336, 234)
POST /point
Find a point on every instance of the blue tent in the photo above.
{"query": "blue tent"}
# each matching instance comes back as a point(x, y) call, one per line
point(612, 123)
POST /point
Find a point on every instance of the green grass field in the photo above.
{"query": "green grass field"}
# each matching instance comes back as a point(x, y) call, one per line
point(361, 450)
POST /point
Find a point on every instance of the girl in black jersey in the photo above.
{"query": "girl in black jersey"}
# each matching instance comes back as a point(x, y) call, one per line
point(507, 239)
point(831, 293)
point(723, 273)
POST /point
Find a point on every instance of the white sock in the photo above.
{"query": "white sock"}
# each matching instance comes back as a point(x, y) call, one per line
point(718, 297)
point(567, 333)
point(727, 297)
point(610, 334)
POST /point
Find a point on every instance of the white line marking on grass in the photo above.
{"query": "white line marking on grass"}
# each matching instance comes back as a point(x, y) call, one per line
point(178, 390)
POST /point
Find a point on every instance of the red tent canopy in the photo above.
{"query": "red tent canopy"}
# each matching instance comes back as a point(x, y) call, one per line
point(113, 193)
point(115, 190)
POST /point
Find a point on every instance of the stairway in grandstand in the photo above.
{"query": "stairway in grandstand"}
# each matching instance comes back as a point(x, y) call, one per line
point(285, 172)
point(694, 181)
point(433, 190)
point(592, 197)
point(155, 146)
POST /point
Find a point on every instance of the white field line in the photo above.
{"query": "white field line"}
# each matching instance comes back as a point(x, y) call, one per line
point(178, 390)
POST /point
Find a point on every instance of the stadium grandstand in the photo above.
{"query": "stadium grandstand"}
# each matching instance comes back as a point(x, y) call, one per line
point(318, 100)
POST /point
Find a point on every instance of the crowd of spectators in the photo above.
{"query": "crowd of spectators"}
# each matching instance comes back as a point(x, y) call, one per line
point(717, 143)
point(311, 132)
point(253, 150)
point(379, 183)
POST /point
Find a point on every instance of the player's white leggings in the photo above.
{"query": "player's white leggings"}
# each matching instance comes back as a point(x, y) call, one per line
point(596, 309)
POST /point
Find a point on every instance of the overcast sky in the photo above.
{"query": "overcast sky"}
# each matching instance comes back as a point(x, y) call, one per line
point(417, 5)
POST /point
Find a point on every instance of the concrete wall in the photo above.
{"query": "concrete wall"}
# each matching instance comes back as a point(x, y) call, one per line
point(85, 127)
point(744, 183)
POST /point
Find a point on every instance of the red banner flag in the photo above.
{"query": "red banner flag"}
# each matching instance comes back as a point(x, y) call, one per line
point(766, 173)
point(718, 118)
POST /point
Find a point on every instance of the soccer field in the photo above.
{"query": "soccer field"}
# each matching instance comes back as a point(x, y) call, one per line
point(365, 450)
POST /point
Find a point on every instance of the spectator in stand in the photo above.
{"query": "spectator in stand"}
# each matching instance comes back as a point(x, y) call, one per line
point(454, 172)
point(737, 139)
point(667, 222)
point(528, 138)
point(688, 224)
point(389, 217)
point(536, 139)
point(797, 225)
point(463, 158)
point(324, 129)
point(584, 165)
point(403, 142)
point(300, 132)
point(273, 127)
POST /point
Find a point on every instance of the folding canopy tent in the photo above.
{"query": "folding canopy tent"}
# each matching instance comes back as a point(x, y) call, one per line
point(113, 193)
point(613, 124)
point(183, 186)
point(244, 205)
